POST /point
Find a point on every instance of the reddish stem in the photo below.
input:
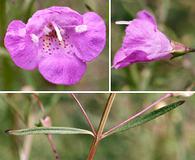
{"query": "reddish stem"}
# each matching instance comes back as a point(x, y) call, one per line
point(84, 113)
point(102, 124)
point(46, 122)
point(110, 131)
point(53, 147)
point(40, 105)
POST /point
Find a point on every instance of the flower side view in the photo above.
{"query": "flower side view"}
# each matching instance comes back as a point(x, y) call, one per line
point(57, 41)
point(143, 42)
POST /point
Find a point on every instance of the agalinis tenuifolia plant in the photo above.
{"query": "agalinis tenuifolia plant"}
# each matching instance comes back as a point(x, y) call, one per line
point(57, 41)
point(144, 42)
point(45, 126)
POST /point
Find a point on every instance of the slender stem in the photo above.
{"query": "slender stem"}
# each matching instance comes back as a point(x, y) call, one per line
point(40, 105)
point(191, 50)
point(130, 80)
point(53, 146)
point(137, 114)
point(102, 124)
point(84, 113)
point(46, 122)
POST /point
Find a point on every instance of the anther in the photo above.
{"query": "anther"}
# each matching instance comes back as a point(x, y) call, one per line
point(123, 22)
point(81, 28)
point(34, 38)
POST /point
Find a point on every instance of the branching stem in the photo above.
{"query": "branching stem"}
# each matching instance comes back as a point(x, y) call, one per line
point(110, 131)
point(102, 124)
point(84, 113)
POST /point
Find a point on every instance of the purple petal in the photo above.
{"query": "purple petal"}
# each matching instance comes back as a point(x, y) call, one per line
point(121, 60)
point(143, 42)
point(145, 15)
point(23, 52)
point(64, 70)
point(141, 35)
point(90, 43)
point(63, 16)
point(118, 58)
point(138, 32)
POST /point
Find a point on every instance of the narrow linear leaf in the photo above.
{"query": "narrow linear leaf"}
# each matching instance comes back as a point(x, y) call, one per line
point(2, 20)
point(88, 7)
point(148, 117)
point(48, 130)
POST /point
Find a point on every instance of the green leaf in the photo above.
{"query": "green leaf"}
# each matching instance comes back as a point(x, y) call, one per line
point(148, 117)
point(2, 19)
point(48, 130)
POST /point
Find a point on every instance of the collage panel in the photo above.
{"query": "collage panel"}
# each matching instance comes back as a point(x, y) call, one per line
point(48, 45)
point(152, 45)
point(97, 126)
point(97, 79)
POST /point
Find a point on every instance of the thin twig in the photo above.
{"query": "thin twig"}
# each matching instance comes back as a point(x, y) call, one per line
point(136, 115)
point(84, 113)
point(191, 50)
point(102, 124)
point(40, 105)
point(46, 122)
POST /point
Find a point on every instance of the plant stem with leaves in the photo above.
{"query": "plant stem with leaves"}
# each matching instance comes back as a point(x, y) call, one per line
point(133, 121)
point(137, 114)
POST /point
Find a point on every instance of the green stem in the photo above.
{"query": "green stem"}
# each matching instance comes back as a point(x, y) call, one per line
point(131, 82)
point(2, 20)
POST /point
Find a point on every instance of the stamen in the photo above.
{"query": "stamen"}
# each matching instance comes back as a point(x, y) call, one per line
point(123, 22)
point(47, 30)
point(57, 32)
point(81, 28)
point(34, 38)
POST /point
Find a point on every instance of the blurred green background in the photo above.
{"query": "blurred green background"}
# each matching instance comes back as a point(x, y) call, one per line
point(176, 19)
point(168, 137)
point(14, 78)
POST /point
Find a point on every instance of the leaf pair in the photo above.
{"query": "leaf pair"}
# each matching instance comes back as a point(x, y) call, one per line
point(66, 130)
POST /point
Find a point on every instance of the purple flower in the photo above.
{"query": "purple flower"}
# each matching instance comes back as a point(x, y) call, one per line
point(58, 41)
point(143, 42)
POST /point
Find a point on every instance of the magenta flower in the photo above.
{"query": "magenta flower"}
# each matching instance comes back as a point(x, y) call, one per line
point(143, 42)
point(58, 41)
